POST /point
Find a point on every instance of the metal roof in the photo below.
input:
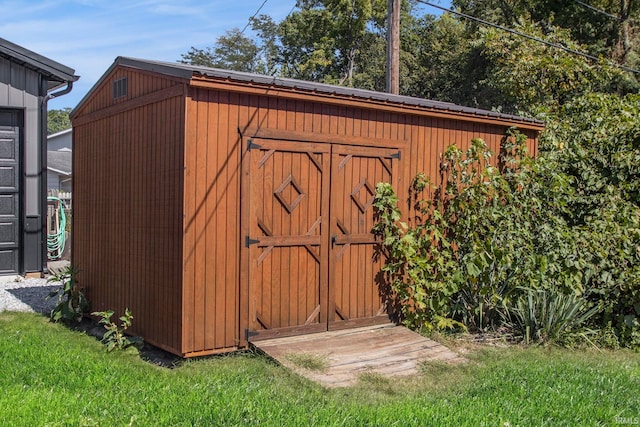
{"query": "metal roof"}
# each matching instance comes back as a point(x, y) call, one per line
point(59, 161)
point(60, 133)
point(56, 73)
point(187, 71)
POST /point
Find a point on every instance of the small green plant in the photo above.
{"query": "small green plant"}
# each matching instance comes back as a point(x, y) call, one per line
point(115, 337)
point(607, 338)
point(309, 361)
point(72, 303)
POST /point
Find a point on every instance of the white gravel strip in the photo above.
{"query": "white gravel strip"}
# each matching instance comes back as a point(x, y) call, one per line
point(20, 294)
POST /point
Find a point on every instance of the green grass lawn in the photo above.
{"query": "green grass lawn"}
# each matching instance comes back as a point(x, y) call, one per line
point(53, 376)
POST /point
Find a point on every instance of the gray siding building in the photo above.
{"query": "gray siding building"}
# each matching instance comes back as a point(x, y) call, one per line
point(27, 81)
point(59, 170)
point(59, 161)
point(60, 141)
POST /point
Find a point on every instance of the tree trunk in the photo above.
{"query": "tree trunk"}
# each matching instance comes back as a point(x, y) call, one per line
point(351, 63)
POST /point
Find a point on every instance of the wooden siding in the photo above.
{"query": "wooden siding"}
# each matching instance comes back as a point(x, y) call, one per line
point(215, 299)
point(140, 83)
point(212, 222)
point(127, 232)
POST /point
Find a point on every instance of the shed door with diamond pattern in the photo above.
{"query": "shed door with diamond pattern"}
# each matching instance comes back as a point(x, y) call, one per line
point(355, 294)
point(288, 228)
point(311, 251)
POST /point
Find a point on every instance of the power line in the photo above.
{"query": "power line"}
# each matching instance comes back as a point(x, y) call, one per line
point(616, 17)
point(595, 9)
point(253, 16)
point(536, 39)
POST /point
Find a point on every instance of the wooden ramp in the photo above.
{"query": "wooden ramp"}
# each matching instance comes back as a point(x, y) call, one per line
point(337, 358)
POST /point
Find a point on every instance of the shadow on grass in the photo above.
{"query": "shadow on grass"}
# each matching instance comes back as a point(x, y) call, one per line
point(36, 298)
point(147, 352)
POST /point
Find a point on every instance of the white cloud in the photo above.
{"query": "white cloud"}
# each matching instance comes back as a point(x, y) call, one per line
point(173, 10)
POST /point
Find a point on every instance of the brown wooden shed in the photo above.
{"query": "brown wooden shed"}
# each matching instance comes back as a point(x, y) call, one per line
point(223, 207)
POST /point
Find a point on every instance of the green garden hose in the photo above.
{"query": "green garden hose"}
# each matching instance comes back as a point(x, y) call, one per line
point(56, 241)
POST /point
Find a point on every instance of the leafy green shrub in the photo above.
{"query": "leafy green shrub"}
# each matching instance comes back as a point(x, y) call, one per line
point(486, 233)
point(72, 303)
point(595, 141)
point(115, 337)
point(419, 263)
point(567, 223)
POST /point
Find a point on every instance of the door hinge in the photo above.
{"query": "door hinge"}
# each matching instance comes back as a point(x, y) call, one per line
point(251, 145)
point(248, 334)
point(396, 155)
point(249, 241)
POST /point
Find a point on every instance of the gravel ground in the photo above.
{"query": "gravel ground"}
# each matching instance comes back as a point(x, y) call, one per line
point(20, 294)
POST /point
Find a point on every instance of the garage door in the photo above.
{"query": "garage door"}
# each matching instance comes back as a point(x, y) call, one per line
point(312, 256)
point(9, 192)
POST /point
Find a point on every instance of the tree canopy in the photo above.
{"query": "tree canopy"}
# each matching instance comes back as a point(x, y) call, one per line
point(58, 120)
point(448, 58)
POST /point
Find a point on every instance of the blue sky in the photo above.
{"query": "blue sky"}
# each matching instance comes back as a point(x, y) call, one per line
point(87, 35)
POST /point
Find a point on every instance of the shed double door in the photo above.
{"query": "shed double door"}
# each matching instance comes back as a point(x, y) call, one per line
point(313, 264)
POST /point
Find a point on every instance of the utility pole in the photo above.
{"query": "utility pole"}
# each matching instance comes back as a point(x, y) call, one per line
point(624, 32)
point(393, 47)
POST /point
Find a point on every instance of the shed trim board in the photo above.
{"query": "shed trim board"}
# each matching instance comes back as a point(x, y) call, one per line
point(277, 134)
point(150, 98)
point(199, 76)
point(225, 207)
point(353, 101)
